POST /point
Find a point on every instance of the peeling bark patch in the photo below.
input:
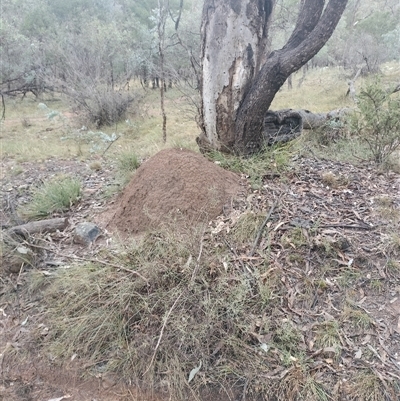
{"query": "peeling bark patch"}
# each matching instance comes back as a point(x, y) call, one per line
point(236, 6)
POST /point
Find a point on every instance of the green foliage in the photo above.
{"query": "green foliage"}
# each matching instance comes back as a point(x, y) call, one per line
point(80, 10)
point(378, 23)
point(98, 141)
point(377, 121)
point(366, 37)
point(15, 59)
point(38, 22)
point(56, 195)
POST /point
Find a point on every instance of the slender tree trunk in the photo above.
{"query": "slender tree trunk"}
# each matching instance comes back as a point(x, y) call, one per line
point(163, 7)
point(239, 82)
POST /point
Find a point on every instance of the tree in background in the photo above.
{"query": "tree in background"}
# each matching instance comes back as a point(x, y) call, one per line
point(96, 48)
point(367, 36)
point(90, 50)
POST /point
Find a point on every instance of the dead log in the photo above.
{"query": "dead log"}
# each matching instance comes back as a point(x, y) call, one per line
point(41, 226)
point(285, 125)
point(281, 126)
point(318, 120)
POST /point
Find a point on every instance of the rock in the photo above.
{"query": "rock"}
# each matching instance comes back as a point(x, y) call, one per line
point(86, 233)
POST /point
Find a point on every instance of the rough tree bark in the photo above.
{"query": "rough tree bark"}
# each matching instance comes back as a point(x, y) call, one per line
point(239, 78)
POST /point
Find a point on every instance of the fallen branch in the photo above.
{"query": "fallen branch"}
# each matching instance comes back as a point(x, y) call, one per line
point(162, 332)
point(349, 226)
point(317, 120)
point(102, 262)
point(41, 226)
point(285, 125)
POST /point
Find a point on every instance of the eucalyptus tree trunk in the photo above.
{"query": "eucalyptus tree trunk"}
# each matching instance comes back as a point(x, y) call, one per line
point(240, 76)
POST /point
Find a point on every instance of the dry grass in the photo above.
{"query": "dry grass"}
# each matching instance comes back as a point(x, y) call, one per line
point(45, 137)
point(194, 306)
point(366, 386)
point(322, 90)
point(182, 298)
point(27, 133)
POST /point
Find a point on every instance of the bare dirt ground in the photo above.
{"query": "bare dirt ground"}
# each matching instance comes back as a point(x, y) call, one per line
point(351, 212)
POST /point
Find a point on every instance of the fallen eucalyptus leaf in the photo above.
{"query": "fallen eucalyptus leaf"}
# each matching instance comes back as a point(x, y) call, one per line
point(193, 372)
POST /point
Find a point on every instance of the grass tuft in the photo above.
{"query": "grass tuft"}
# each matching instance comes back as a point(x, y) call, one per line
point(128, 162)
point(269, 161)
point(366, 386)
point(357, 317)
point(56, 195)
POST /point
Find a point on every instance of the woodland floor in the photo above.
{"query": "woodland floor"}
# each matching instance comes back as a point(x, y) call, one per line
point(347, 207)
point(318, 215)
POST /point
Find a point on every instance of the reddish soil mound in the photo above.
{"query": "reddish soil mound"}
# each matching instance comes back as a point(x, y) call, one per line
point(173, 184)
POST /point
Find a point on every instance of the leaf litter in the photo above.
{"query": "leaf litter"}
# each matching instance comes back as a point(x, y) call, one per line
point(309, 265)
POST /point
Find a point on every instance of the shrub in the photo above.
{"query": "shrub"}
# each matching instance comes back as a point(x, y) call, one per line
point(377, 121)
point(103, 106)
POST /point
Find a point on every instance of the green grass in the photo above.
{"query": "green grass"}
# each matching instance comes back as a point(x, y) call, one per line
point(128, 162)
point(57, 195)
point(327, 336)
point(270, 160)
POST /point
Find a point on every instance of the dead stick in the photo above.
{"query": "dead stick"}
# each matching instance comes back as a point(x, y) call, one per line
point(162, 332)
point(349, 226)
point(102, 262)
point(244, 267)
point(198, 259)
point(257, 240)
